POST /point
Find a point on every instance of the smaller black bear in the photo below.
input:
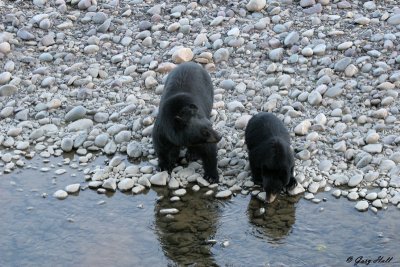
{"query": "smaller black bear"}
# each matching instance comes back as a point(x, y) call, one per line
point(271, 158)
point(183, 120)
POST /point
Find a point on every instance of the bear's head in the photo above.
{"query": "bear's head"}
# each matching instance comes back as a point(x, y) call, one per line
point(274, 180)
point(277, 170)
point(194, 128)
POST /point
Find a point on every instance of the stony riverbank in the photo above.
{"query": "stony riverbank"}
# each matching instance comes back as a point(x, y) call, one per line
point(86, 76)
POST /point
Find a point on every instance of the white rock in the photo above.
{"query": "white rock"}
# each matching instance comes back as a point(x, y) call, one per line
point(377, 203)
point(173, 183)
point(60, 194)
point(242, 121)
point(337, 193)
point(302, 127)
point(371, 196)
point(309, 196)
point(72, 188)
point(143, 180)
point(262, 196)
point(202, 182)
point(355, 180)
point(313, 187)
point(256, 5)
point(169, 211)
point(95, 184)
point(159, 178)
point(224, 194)
point(60, 171)
point(138, 189)
point(126, 184)
point(196, 188)
point(297, 190)
point(110, 184)
point(353, 196)
point(362, 205)
point(182, 55)
point(180, 192)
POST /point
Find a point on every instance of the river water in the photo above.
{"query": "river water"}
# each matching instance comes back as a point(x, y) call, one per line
point(121, 229)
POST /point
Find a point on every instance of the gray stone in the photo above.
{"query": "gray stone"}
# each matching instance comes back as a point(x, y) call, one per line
point(8, 90)
point(292, 38)
point(221, 55)
point(82, 124)
point(394, 19)
point(276, 54)
point(75, 113)
point(67, 144)
point(342, 64)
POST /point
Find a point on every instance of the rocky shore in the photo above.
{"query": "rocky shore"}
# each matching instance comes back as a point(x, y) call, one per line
point(86, 76)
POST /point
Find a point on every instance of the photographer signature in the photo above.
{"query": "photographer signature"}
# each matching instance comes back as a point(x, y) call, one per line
point(360, 260)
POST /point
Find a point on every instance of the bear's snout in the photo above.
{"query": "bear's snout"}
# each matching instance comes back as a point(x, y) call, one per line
point(214, 137)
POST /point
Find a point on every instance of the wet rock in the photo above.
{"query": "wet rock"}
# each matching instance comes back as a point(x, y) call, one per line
point(60, 194)
point(362, 205)
point(224, 194)
point(72, 188)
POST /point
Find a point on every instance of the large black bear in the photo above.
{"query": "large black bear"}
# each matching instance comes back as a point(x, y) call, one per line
point(271, 158)
point(183, 120)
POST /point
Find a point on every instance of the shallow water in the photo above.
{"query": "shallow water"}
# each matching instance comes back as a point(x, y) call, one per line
point(121, 229)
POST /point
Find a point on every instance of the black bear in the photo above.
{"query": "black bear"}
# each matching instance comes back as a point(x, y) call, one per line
point(271, 158)
point(183, 120)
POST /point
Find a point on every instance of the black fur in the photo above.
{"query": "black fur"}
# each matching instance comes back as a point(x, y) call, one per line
point(271, 158)
point(184, 120)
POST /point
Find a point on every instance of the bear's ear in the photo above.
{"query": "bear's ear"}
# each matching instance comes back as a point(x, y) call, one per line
point(193, 109)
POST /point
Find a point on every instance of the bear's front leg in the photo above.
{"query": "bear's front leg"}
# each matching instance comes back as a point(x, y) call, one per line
point(167, 157)
point(208, 154)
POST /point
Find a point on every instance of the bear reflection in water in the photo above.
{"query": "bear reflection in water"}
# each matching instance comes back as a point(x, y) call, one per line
point(184, 236)
point(277, 220)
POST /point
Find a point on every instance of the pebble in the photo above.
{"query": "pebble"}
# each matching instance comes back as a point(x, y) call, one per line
point(362, 205)
point(8, 90)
